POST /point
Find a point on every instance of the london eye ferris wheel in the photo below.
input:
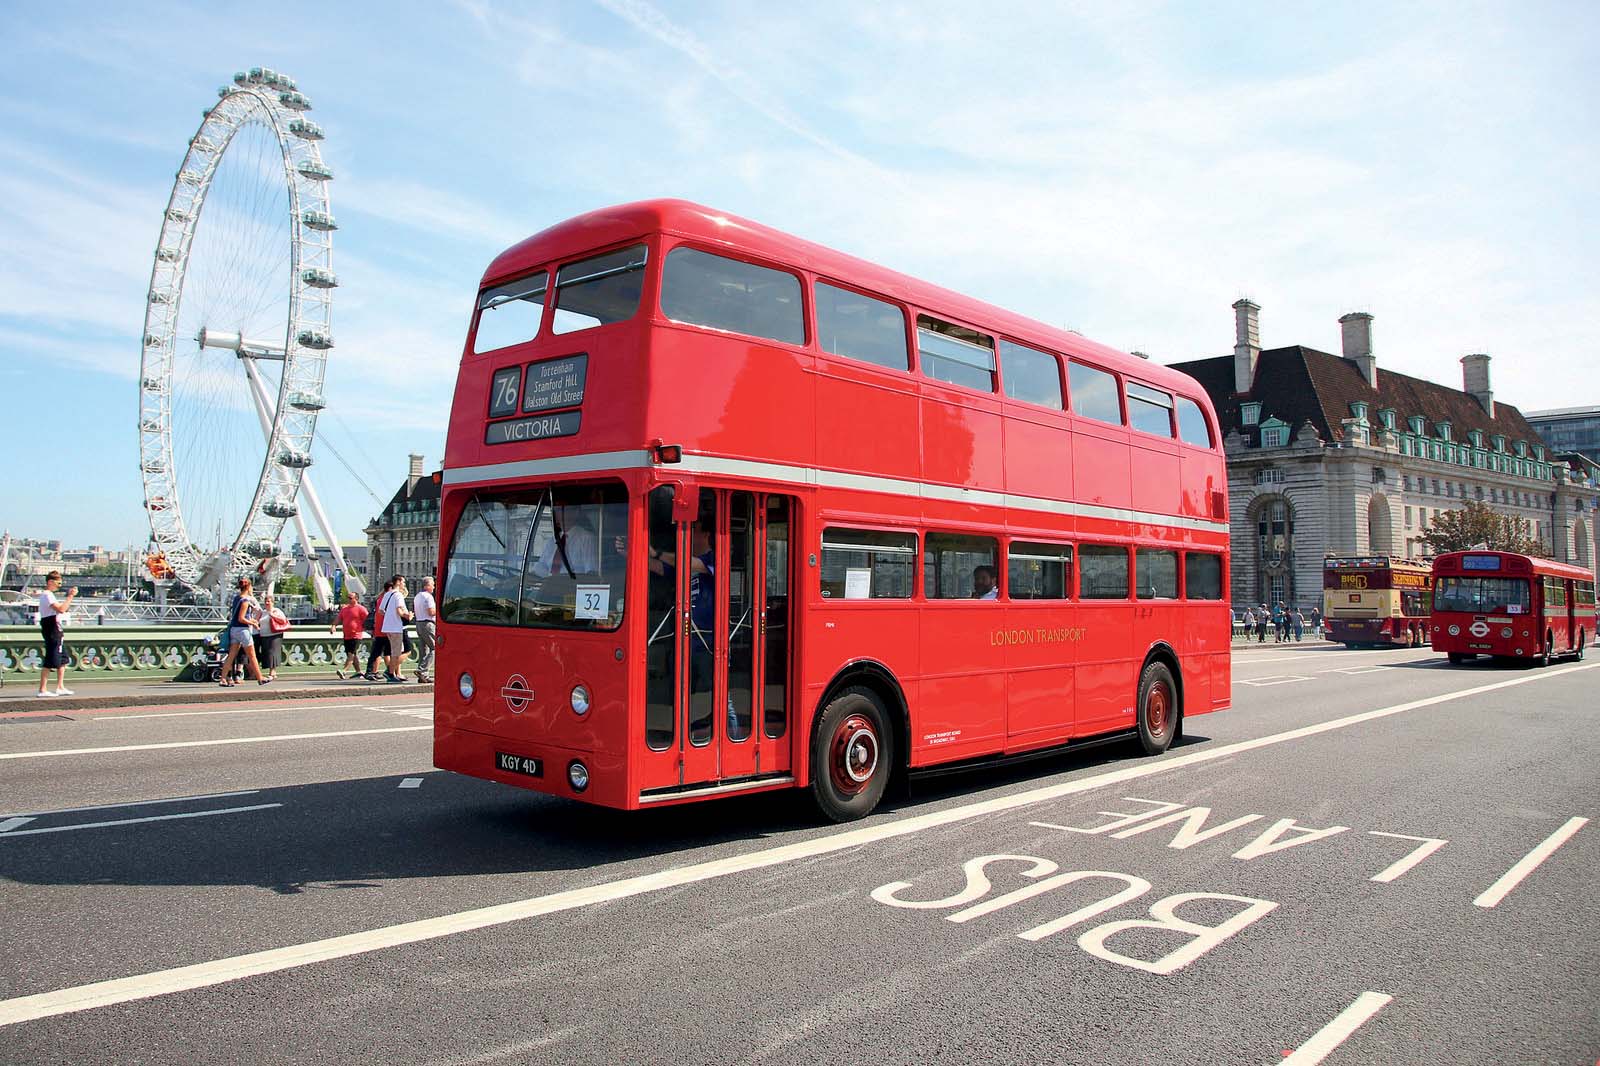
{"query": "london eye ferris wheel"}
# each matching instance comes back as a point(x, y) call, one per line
point(237, 331)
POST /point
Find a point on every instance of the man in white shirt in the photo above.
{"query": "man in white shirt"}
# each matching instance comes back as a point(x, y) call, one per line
point(572, 547)
point(426, 614)
point(392, 615)
point(52, 612)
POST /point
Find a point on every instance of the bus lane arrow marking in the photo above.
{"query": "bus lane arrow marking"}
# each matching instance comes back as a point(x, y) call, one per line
point(11, 823)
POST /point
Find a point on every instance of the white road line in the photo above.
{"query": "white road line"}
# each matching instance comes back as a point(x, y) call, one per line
point(1530, 862)
point(135, 803)
point(212, 743)
point(411, 782)
point(1272, 679)
point(11, 823)
point(1336, 1032)
point(136, 821)
point(1283, 659)
point(220, 971)
point(1416, 855)
point(185, 714)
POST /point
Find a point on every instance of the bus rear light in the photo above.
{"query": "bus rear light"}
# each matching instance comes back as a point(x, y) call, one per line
point(464, 686)
point(580, 700)
point(577, 775)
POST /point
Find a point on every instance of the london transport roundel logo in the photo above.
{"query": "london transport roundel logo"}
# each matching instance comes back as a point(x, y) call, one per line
point(1479, 629)
point(517, 694)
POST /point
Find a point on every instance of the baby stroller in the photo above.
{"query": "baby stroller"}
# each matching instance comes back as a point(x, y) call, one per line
point(213, 653)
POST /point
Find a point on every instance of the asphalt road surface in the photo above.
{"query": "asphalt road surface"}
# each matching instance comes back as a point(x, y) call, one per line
point(1373, 858)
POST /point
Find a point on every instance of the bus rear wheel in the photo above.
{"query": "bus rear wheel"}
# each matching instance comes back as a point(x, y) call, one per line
point(852, 755)
point(1457, 658)
point(1158, 709)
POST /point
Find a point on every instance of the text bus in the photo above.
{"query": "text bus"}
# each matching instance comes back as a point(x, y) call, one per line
point(726, 511)
point(1510, 606)
point(1376, 600)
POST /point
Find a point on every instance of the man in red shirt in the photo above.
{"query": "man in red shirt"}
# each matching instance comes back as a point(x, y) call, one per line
point(353, 617)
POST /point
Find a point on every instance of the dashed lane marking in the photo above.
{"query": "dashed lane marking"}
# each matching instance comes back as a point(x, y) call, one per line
point(274, 960)
point(411, 782)
point(1336, 1032)
point(1530, 862)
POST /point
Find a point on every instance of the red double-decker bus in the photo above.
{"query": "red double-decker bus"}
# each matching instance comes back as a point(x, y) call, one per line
point(1510, 606)
point(1373, 600)
point(726, 511)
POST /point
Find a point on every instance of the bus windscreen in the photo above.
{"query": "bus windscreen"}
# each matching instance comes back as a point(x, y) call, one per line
point(1482, 595)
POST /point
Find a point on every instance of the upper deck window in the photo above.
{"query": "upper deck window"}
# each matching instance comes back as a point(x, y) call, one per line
point(860, 327)
point(1031, 375)
point(702, 289)
point(955, 354)
point(1192, 425)
point(1150, 410)
point(599, 290)
point(1094, 393)
point(510, 314)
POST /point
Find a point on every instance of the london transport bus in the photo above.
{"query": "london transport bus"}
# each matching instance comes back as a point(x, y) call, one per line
point(725, 511)
point(1510, 606)
point(1372, 600)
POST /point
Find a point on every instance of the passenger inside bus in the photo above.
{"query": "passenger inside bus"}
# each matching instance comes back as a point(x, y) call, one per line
point(983, 584)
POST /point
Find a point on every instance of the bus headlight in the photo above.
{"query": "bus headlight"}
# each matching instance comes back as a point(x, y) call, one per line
point(1506, 632)
point(464, 686)
point(577, 775)
point(1455, 631)
point(580, 700)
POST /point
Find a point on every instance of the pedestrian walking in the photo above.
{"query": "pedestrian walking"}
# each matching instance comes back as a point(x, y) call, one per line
point(271, 625)
point(1298, 620)
point(1280, 621)
point(1263, 616)
point(1248, 624)
point(352, 620)
point(426, 613)
point(243, 614)
point(1316, 620)
point(392, 614)
point(52, 615)
point(379, 647)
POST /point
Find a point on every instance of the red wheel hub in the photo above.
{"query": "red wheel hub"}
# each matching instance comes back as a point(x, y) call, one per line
point(1158, 709)
point(853, 754)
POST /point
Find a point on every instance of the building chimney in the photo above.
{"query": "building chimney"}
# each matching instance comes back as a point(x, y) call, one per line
point(415, 475)
point(1475, 380)
point(1246, 344)
point(1355, 331)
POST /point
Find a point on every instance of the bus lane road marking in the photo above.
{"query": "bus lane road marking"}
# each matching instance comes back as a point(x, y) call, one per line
point(11, 823)
point(1327, 1039)
point(1530, 862)
point(275, 960)
point(209, 743)
point(1271, 679)
point(135, 821)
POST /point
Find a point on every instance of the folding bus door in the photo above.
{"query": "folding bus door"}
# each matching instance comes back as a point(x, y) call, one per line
point(718, 653)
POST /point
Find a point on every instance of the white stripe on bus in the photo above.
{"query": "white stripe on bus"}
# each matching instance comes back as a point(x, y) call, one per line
point(815, 476)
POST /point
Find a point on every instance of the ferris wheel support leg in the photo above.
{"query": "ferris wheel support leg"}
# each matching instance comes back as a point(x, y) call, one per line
point(265, 412)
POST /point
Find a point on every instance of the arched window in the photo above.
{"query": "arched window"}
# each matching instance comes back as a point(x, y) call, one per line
point(1380, 526)
point(1274, 550)
point(1580, 538)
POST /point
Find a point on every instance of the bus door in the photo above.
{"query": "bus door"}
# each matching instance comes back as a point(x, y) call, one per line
point(718, 657)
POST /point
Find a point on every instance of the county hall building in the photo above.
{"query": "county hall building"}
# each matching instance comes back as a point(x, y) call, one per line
point(1334, 455)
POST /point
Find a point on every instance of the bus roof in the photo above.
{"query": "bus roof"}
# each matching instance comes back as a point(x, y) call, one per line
point(706, 225)
point(1451, 562)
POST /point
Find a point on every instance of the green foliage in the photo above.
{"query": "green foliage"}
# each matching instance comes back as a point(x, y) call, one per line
point(1477, 525)
point(290, 585)
point(104, 570)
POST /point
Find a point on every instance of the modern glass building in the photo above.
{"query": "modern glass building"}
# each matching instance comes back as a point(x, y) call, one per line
point(1569, 429)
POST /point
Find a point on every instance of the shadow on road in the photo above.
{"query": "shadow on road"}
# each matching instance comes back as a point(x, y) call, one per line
point(353, 835)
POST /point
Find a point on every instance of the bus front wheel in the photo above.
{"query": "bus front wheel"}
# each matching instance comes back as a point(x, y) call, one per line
point(1158, 709)
point(852, 755)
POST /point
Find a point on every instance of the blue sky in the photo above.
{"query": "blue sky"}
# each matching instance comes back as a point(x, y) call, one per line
point(1127, 170)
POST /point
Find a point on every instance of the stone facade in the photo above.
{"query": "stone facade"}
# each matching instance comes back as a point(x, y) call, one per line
point(1332, 455)
point(404, 539)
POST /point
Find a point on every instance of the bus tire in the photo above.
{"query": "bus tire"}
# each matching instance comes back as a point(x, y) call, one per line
point(852, 755)
point(1457, 658)
point(1158, 709)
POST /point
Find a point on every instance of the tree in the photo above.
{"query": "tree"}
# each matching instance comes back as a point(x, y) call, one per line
point(1477, 525)
point(290, 585)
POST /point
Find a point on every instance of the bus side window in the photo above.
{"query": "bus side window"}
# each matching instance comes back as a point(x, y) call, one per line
point(1038, 571)
point(1102, 572)
point(1202, 576)
point(1157, 570)
point(1093, 394)
point(950, 565)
